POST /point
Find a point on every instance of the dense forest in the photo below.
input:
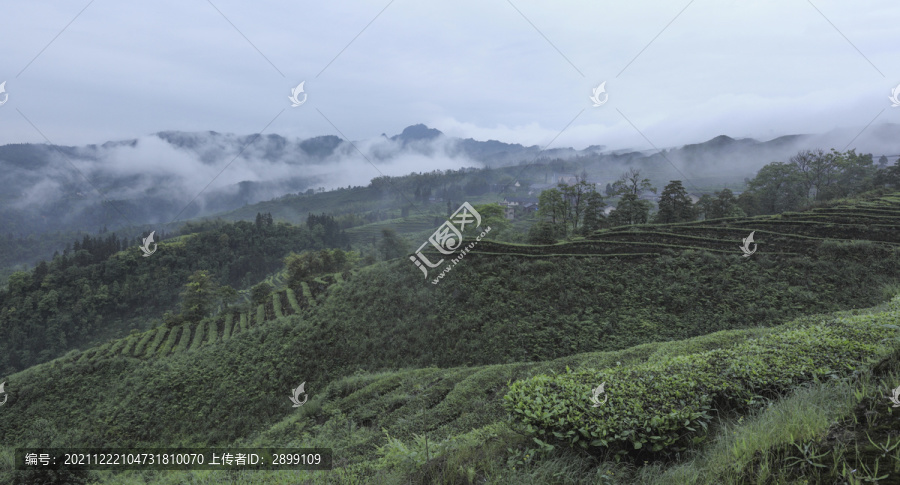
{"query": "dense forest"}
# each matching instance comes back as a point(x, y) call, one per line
point(103, 287)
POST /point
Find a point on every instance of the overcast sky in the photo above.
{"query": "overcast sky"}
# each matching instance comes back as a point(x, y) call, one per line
point(519, 71)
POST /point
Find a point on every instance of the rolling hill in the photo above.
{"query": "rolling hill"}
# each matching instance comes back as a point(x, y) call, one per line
point(394, 365)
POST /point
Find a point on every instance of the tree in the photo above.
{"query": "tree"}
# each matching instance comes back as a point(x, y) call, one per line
point(856, 174)
point(779, 188)
point(575, 197)
point(705, 206)
point(392, 245)
point(631, 182)
point(889, 176)
point(815, 169)
point(493, 216)
point(18, 283)
point(566, 205)
point(629, 211)
point(171, 320)
point(594, 216)
point(304, 266)
point(199, 296)
point(552, 206)
point(824, 176)
point(543, 232)
point(226, 297)
point(382, 185)
point(725, 205)
point(40, 271)
point(260, 294)
point(750, 202)
point(675, 204)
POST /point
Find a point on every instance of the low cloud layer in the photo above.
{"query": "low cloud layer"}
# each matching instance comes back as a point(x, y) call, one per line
point(181, 166)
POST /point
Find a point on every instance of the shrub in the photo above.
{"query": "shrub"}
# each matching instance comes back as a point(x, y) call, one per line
point(158, 337)
point(115, 347)
point(213, 331)
point(292, 300)
point(166, 347)
point(260, 314)
point(543, 232)
point(260, 293)
point(72, 355)
point(664, 404)
point(649, 404)
point(226, 334)
point(307, 294)
point(142, 344)
point(276, 305)
point(198, 335)
point(129, 345)
point(185, 337)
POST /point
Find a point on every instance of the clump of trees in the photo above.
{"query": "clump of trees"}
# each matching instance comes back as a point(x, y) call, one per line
point(392, 245)
point(675, 204)
point(808, 177)
point(307, 265)
point(202, 297)
point(721, 204)
point(580, 209)
point(568, 209)
point(813, 176)
point(323, 227)
point(631, 209)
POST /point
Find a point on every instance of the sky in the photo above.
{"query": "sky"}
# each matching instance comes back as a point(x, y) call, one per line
point(518, 71)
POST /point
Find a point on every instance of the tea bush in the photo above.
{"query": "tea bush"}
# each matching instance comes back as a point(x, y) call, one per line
point(292, 299)
point(276, 305)
point(665, 404)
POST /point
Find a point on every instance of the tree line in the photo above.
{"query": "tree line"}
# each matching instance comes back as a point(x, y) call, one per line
point(809, 177)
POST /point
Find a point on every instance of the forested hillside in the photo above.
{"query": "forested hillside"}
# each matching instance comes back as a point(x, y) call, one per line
point(225, 378)
point(104, 287)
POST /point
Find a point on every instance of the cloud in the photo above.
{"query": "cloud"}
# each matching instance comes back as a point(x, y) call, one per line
point(474, 70)
point(151, 164)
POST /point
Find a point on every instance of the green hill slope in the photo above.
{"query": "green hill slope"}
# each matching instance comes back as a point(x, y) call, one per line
point(451, 426)
point(78, 299)
point(521, 309)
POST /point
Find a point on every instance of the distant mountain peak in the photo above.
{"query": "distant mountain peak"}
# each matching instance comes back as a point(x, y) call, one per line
point(719, 143)
point(415, 133)
point(321, 146)
point(721, 139)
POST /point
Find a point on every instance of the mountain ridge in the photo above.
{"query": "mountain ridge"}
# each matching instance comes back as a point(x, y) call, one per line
point(153, 179)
